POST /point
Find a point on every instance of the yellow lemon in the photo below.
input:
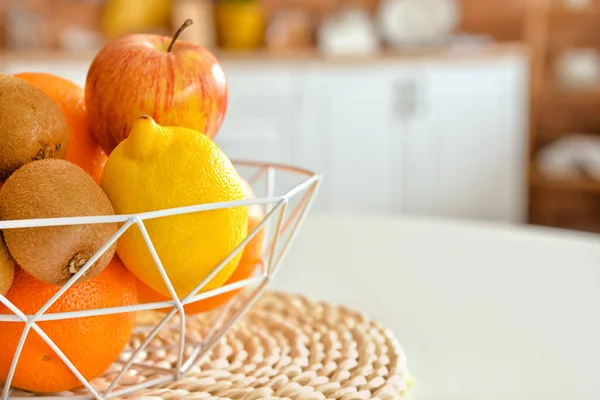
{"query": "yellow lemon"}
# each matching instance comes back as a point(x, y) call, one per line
point(160, 167)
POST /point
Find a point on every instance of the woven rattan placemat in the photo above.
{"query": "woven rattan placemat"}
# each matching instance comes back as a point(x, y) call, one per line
point(291, 347)
point(286, 347)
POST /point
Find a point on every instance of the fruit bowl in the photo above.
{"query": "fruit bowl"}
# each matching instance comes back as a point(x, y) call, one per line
point(288, 193)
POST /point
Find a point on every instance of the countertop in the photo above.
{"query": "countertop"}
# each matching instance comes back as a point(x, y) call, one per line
point(449, 52)
point(483, 311)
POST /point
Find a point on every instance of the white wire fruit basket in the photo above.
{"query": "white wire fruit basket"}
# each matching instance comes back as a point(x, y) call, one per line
point(288, 194)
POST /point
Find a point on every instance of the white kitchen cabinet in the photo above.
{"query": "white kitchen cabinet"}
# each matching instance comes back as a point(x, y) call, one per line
point(360, 150)
point(482, 162)
point(362, 120)
point(433, 138)
point(464, 146)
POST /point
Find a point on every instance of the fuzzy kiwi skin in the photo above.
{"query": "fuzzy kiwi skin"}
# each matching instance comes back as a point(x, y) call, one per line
point(32, 126)
point(49, 189)
point(7, 268)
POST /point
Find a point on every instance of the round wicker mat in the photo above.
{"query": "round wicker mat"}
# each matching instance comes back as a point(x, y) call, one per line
point(289, 347)
point(286, 347)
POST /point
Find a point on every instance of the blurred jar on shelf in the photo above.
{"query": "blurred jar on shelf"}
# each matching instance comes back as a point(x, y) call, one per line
point(350, 29)
point(202, 12)
point(241, 24)
point(290, 29)
point(122, 17)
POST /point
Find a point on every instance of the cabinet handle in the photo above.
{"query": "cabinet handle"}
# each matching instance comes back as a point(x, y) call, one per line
point(406, 99)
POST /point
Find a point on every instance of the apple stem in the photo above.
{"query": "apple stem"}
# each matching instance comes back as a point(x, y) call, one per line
point(182, 28)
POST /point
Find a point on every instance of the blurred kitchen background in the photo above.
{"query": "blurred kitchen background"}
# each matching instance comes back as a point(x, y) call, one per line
point(483, 110)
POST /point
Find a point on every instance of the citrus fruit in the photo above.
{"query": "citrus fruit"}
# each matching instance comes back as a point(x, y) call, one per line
point(83, 150)
point(250, 258)
point(92, 344)
point(254, 248)
point(244, 270)
point(159, 167)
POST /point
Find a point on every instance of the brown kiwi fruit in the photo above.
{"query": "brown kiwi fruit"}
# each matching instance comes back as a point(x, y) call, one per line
point(49, 189)
point(32, 126)
point(7, 268)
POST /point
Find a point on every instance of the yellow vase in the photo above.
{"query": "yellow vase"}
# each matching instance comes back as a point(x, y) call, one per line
point(240, 24)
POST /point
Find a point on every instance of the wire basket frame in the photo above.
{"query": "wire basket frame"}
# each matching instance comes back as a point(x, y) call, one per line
point(283, 217)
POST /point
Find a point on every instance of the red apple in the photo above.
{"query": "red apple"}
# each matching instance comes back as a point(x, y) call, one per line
point(175, 82)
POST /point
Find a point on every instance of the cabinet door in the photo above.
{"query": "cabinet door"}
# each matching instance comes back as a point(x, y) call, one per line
point(471, 135)
point(415, 183)
point(355, 111)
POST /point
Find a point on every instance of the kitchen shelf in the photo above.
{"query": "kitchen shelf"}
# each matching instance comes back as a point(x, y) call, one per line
point(558, 10)
point(581, 184)
point(559, 115)
point(547, 135)
point(571, 96)
point(556, 112)
point(565, 13)
point(451, 51)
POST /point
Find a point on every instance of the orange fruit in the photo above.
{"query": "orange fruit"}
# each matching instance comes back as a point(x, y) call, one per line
point(83, 150)
point(91, 343)
point(254, 248)
point(244, 270)
point(251, 256)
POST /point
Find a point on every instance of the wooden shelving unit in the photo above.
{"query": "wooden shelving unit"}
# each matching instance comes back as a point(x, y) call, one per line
point(555, 112)
point(581, 184)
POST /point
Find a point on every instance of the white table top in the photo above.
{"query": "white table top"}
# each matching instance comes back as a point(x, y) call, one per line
point(483, 312)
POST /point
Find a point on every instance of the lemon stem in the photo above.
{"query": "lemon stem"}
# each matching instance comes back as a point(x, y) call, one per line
point(182, 28)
